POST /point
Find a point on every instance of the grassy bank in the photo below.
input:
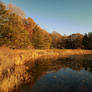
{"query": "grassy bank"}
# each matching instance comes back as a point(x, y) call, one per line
point(13, 69)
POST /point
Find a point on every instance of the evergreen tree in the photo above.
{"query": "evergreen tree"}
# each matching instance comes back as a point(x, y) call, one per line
point(90, 40)
point(85, 41)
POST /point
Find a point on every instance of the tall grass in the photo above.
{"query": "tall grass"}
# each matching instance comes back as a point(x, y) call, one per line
point(13, 69)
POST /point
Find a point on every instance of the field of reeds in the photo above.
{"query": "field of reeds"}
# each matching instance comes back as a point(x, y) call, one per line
point(13, 69)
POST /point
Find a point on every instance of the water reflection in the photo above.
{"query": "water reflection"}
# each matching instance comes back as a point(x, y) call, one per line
point(71, 74)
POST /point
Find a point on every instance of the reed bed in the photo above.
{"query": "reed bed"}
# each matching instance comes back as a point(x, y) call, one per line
point(13, 69)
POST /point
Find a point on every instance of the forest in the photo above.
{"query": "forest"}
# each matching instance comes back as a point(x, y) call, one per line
point(19, 32)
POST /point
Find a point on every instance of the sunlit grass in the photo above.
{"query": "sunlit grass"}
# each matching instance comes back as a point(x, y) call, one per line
point(12, 64)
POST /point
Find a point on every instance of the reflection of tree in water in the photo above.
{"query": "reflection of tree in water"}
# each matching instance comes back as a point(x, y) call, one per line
point(78, 63)
point(88, 65)
point(44, 66)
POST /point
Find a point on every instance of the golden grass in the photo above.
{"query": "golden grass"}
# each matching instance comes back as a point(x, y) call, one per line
point(12, 64)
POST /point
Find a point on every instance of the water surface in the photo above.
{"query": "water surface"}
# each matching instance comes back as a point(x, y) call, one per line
point(72, 74)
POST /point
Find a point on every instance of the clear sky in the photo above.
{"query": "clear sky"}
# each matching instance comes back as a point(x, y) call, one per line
point(63, 16)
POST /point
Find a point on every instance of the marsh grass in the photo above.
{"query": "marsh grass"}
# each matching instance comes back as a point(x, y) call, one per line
point(13, 69)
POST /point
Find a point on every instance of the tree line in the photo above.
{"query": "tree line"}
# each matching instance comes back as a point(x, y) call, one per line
point(17, 31)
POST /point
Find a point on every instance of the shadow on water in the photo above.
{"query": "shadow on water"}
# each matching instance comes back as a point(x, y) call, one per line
point(71, 74)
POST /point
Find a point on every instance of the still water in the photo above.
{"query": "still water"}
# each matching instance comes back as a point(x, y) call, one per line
point(71, 74)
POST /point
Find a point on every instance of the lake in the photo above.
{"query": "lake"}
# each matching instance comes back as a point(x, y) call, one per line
point(70, 74)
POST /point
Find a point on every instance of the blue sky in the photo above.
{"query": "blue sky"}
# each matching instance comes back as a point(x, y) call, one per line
point(63, 16)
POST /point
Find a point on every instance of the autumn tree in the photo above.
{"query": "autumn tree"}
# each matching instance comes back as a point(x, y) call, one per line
point(13, 33)
point(74, 41)
point(68, 43)
point(16, 31)
point(3, 14)
point(29, 25)
point(3, 19)
point(41, 39)
point(57, 40)
point(14, 9)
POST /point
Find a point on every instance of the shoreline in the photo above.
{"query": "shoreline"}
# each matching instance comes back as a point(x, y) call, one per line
point(13, 71)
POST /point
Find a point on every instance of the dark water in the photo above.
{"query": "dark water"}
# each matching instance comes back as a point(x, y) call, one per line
point(73, 74)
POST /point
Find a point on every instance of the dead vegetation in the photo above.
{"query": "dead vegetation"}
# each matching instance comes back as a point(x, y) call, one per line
point(13, 71)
